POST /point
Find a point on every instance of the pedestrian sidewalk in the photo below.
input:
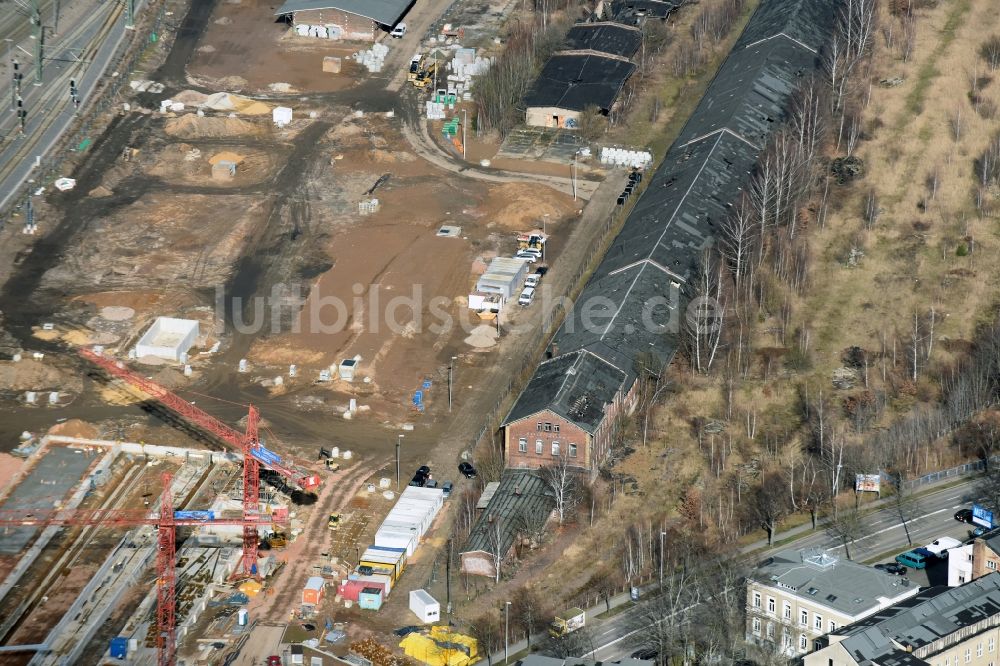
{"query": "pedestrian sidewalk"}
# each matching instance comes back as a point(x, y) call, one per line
point(786, 540)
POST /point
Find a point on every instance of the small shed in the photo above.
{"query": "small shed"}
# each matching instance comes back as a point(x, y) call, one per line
point(503, 276)
point(370, 598)
point(312, 593)
point(424, 606)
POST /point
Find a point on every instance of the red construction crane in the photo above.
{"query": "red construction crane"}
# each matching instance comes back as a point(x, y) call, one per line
point(166, 520)
point(248, 443)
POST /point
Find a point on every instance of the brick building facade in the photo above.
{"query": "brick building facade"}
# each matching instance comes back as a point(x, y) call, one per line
point(571, 410)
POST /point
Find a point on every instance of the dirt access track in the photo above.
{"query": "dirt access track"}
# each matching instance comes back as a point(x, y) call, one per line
point(258, 257)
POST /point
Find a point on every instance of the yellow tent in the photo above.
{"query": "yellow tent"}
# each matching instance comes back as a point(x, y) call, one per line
point(440, 647)
point(251, 588)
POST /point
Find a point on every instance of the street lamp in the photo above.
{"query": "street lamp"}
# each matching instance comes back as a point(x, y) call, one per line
point(451, 367)
point(506, 630)
point(662, 534)
point(399, 440)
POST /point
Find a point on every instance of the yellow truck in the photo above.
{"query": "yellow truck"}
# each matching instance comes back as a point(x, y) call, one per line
point(567, 622)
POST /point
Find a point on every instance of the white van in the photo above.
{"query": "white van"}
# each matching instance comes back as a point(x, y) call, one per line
point(398, 31)
point(527, 295)
point(941, 545)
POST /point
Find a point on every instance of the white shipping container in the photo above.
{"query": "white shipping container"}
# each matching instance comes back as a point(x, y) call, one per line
point(424, 606)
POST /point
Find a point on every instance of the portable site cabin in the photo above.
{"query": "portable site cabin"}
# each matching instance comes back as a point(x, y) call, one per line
point(394, 563)
point(389, 538)
point(385, 580)
point(370, 598)
point(312, 593)
point(424, 606)
point(350, 589)
point(503, 276)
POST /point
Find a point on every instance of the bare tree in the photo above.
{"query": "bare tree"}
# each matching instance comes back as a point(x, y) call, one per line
point(847, 527)
point(906, 504)
point(737, 236)
point(528, 612)
point(705, 315)
point(487, 630)
point(990, 52)
point(496, 544)
point(562, 480)
point(769, 504)
point(872, 209)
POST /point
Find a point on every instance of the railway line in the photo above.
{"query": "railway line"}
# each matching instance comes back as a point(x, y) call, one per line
point(74, 51)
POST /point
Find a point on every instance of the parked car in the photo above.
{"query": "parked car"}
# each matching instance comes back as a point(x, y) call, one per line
point(418, 481)
point(398, 31)
point(964, 515)
point(431, 483)
point(274, 660)
point(424, 470)
point(532, 250)
point(894, 568)
point(527, 256)
point(532, 280)
point(649, 654)
point(447, 487)
point(467, 470)
point(978, 532)
point(915, 559)
point(527, 295)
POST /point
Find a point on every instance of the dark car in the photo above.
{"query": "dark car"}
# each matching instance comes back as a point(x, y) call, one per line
point(894, 568)
point(650, 654)
point(423, 470)
point(447, 487)
point(418, 481)
point(431, 483)
point(964, 515)
point(467, 470)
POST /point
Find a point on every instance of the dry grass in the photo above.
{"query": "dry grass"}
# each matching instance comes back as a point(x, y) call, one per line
point(910, 261)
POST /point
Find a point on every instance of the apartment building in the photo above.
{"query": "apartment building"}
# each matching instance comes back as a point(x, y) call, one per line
point(974, 560)
point(940, 626)
point(795, 597)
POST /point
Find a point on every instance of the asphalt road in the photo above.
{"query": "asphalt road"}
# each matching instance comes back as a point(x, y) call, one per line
point(616, 637)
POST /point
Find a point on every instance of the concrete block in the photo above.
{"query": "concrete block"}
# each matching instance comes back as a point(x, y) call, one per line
point(331, 64)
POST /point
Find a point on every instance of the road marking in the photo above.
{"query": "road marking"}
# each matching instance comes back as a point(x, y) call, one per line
point(887, 529)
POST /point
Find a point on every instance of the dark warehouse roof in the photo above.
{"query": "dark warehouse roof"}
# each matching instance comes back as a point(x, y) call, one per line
point(577, 80)
point(933, 614)
point(520, 493)
point(639, 286)
point(636, 10)
point(574, 386)
point(605, 37)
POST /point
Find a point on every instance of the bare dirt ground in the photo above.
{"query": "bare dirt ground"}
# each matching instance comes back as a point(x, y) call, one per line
point(245, 49)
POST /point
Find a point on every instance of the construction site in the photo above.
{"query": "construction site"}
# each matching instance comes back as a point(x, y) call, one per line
point(270, 290)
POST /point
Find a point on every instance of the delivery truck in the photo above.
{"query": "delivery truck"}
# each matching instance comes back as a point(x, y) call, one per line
point(567, 622)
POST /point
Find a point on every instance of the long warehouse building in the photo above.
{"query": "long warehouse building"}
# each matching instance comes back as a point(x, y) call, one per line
point(631, 309)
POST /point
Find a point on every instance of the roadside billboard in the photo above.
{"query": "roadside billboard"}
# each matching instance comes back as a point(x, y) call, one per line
point(982, 516)
point(868, 483)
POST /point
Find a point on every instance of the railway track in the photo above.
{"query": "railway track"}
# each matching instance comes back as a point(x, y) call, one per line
point(54, 95)
point(69, 555)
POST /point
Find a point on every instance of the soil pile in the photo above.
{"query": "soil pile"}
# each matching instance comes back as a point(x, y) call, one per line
point(192, 126)
point(521, 205)
point(75, 428)
point(482, 337)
